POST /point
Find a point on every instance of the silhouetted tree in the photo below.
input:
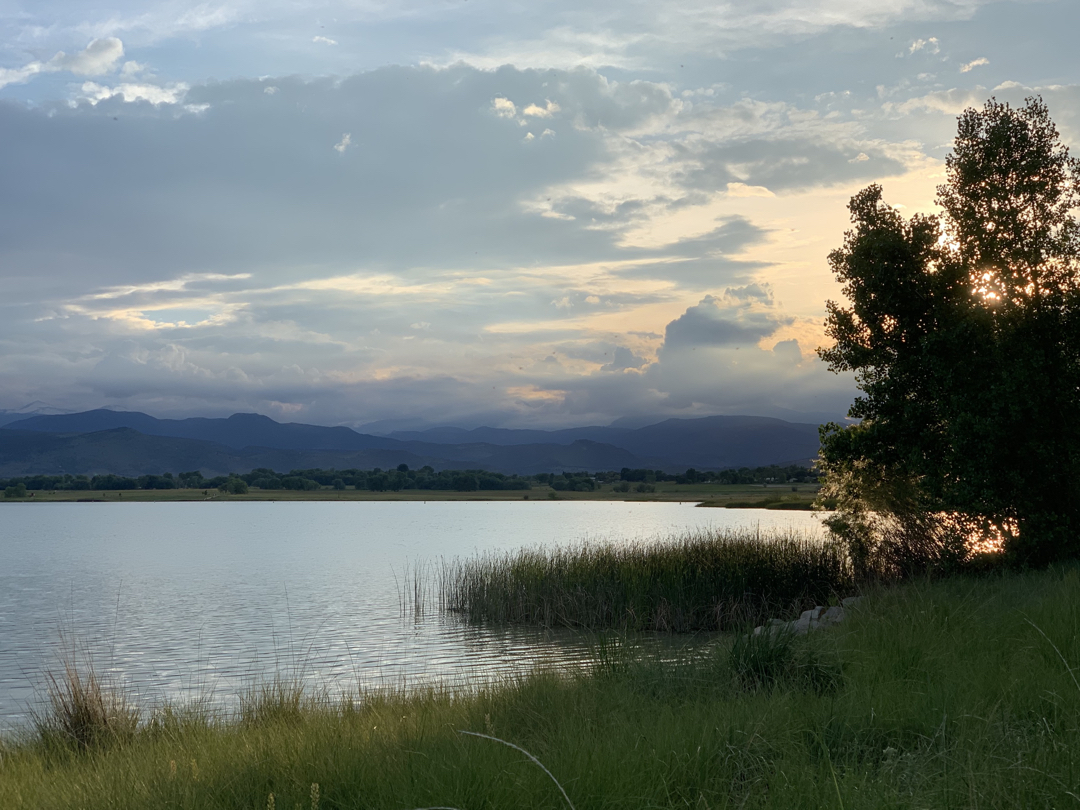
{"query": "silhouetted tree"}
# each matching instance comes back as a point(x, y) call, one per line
point(964, 334)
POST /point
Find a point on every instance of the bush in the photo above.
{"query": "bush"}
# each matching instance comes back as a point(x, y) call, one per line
point(16, 491)
point(234, 486)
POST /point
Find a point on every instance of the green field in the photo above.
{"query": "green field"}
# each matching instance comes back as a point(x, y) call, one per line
point(957, 693)
point(772, 496)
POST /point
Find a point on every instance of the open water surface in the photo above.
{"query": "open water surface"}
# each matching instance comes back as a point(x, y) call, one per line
point(196, 600)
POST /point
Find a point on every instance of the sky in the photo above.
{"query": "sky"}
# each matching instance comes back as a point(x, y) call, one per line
point(398, 214)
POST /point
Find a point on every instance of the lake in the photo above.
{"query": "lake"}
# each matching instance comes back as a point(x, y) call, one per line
point(187, 600)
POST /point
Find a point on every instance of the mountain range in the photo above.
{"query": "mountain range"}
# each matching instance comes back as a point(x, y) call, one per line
point(134, 443)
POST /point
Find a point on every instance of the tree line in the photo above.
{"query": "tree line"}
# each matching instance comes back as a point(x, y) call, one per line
point(401, 477)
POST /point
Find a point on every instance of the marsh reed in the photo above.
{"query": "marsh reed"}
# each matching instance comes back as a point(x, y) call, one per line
point(699, 581)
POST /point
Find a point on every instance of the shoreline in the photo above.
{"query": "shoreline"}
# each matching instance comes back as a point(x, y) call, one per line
point(824, 720)
point(783, 497)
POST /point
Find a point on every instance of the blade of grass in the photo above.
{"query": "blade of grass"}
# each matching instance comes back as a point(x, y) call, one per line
point(538, 763)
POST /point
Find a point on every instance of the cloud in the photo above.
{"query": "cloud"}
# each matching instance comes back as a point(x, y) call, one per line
point(443, 258)
point(132, 70)
point(504, 108)
point(97, 58)
point(951, 102)
point(623, 359)
point(131, 92)
point(743, 190)
point(974, 63)
point(324, 40)
point(535, 111)
point(930, 45)
point(741, 317)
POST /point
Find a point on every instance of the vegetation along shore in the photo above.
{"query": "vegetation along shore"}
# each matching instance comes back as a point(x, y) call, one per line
point(773, 487)
point(949, 693)
point(709, 580)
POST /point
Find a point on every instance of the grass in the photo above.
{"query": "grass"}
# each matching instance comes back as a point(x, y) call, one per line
point(955, 693)
point(804, 502)
point(82, 709)
point(702, 581)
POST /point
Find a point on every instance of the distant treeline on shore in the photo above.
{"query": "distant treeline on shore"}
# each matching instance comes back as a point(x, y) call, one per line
point(378, 480)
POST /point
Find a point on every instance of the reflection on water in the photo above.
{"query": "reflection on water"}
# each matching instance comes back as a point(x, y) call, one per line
point(185, 600)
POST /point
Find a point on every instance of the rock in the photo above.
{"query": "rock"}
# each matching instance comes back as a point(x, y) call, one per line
point(833, 615)
point(774, 626)
point(817, 618)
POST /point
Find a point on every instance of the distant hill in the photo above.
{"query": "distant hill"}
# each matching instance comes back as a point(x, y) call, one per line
point(705, 442)
point(124, 451)
point(32, 409)
point(239, 430)
point(123, 442)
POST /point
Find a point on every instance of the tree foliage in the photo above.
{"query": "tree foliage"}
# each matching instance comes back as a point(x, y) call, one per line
point(963, 331)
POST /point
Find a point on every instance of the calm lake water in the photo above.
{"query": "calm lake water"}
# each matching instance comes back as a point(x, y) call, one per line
point(184, 600)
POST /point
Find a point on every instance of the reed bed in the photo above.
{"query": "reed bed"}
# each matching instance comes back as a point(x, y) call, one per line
point(700, 581)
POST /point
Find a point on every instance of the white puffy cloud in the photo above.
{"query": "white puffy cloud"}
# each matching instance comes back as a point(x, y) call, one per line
point(967, 67)
point(504, 107)
point(97, 58)
point(131, 92)
point(536, 111)
point(931, 46)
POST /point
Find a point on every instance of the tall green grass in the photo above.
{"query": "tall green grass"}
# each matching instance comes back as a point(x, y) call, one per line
point(712, 580)
point(959, 693)
point(82, 708)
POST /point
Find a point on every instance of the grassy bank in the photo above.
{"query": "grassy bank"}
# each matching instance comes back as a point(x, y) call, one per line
point(959, 693)
point(711, 580)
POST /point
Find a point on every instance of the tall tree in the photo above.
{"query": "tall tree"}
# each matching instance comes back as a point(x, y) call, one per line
point(964, 334)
